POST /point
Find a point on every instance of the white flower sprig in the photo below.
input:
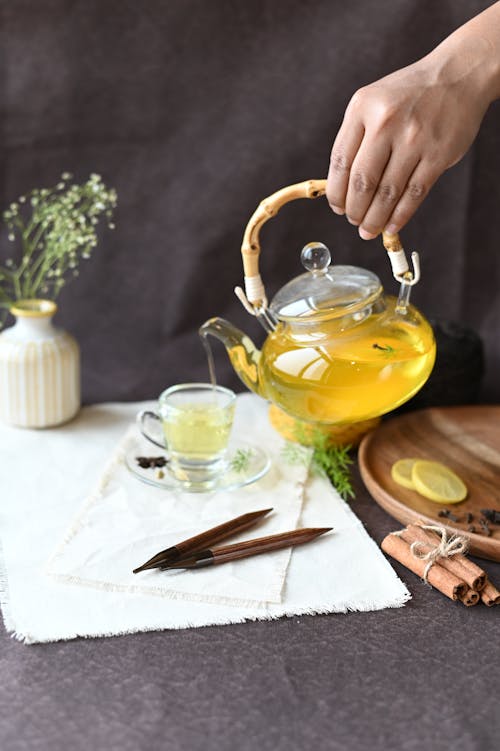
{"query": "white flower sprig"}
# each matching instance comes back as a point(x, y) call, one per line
point(53, 228)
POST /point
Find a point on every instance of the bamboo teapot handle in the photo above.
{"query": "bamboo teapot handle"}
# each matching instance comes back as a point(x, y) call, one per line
point(255, 298)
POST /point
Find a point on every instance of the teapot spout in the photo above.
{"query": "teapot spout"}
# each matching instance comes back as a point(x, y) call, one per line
point(242, 352)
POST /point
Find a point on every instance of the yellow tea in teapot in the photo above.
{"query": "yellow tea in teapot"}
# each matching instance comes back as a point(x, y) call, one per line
point(338, 350)
point(334, 377)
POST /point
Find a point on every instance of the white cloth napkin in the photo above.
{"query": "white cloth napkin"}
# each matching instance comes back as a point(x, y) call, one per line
point(125, 522)
point(44, 477)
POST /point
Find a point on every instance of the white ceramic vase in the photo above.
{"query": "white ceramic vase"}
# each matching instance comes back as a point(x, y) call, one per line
point(39, 368)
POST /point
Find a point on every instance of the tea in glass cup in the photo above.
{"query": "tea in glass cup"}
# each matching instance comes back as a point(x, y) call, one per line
point(196, 421)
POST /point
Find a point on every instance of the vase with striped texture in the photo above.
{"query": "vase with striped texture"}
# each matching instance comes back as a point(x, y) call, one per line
point(39, 368)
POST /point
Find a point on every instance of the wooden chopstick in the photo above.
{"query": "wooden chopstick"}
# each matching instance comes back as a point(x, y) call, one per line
point(203, 540)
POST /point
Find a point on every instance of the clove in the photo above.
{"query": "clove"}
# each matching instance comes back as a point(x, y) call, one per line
point(150, 462)
point(444, 512)
point(491, 515)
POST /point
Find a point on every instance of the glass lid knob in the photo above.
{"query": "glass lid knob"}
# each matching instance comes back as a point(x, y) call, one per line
point(316, 257)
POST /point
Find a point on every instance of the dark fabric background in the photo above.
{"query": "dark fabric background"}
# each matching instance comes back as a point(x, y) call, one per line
point(195, 110)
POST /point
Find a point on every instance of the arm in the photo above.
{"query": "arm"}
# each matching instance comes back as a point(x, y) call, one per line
point(402, 132)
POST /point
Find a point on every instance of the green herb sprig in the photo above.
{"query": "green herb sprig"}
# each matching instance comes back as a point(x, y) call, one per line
point(294, 453)
point(334, 461)
point(329, 459)
point(53, 229)
point(241, 460)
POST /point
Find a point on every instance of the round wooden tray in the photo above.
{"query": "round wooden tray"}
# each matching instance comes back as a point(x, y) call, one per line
point(467, 439)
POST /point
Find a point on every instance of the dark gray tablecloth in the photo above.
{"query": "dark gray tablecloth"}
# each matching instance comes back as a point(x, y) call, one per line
point(195, 111)
point(425, 676)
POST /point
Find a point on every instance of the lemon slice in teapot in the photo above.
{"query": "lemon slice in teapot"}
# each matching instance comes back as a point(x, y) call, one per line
point(437, 482)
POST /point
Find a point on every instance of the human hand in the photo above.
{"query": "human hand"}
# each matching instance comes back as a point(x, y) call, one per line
point(402, 132)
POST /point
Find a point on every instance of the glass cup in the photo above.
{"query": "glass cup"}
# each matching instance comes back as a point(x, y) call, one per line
point(196, 421)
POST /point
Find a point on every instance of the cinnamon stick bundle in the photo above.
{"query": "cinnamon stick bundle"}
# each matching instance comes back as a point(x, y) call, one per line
point(454, 575)
point(458, 564)
point(440, 578)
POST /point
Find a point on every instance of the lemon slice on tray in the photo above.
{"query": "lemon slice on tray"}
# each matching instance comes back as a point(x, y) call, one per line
point(401, 472)
point(437, 482)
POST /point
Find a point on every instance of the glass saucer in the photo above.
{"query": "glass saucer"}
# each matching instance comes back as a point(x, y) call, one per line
point(246, 464)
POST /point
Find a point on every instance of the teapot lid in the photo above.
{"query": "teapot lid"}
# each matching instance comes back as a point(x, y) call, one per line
point(324, 291)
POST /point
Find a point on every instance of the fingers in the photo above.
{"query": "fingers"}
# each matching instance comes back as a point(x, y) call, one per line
point(379, 186)
point(366, 171)
point(388, 193)
point(382, 164)
point(418, 186)
point(344, 150)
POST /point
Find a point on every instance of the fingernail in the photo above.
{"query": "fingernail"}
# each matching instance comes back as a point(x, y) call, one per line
point(352, 221)
point(337, 210)
point(391, 229)
point(364, 235)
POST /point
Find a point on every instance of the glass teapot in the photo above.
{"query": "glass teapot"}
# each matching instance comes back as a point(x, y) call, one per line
point(338, 350)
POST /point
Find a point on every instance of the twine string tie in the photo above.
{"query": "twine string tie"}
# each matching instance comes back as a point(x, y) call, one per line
point(446, 547)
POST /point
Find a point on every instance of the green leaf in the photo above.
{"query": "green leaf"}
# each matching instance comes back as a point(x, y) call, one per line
point(385, 350)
